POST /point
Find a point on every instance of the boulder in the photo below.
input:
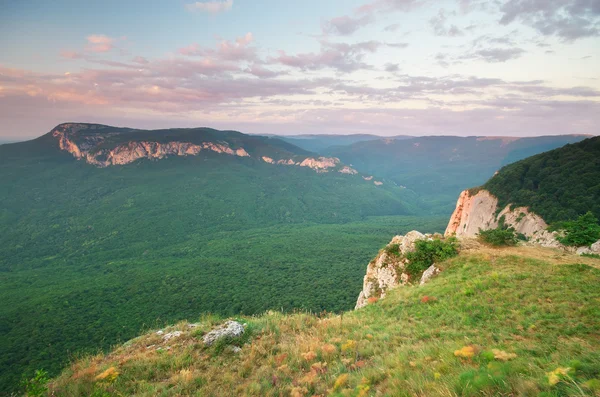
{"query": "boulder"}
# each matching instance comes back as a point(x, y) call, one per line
point(231, 329)
point(429, 273)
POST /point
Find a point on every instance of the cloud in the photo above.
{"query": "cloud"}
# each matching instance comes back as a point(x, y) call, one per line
point(392, 67)
point(492, 55)
point(392, 28)
point(233, 51)
point(341, 56)
point(345, 25)
point(380, 6)
point(567, 19)
point(140, 60)
point(438, 23)
point(397, 45)
point(99, 43)
point(71, 54)
point(212, 7)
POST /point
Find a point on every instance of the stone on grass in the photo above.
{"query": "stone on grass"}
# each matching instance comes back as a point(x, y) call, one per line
point(429, 273)
point(231, 329)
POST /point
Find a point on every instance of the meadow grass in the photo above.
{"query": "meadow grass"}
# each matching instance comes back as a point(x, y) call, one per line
point(496, 322)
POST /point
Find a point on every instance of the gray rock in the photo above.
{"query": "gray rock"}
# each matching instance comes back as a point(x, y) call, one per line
point(583, 250)
point(231, 329)
point(171, 335)
point(428, 274)
point(595, 247)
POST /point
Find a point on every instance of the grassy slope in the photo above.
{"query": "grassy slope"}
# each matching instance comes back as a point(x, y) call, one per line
point(536, 303)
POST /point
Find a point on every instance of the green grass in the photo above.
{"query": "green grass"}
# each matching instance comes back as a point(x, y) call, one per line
point(538, 316)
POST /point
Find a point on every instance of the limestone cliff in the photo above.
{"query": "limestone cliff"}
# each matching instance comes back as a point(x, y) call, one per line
point(479, 210)
point(94, 144)
point(386, 271)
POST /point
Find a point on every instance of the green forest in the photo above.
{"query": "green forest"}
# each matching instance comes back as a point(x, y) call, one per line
point(559, 185)
point(90, 257)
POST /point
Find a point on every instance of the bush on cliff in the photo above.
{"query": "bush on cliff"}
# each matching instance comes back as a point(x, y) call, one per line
point(427, 252)
point(499, 237)
point(583, 231)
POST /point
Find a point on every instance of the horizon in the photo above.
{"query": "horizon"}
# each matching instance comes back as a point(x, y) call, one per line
point(514, 68)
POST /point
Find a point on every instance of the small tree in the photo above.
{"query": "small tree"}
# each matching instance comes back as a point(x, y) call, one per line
point(583, 231)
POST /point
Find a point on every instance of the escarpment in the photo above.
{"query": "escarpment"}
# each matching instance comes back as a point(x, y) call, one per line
point(105, 146)
point(477, 210)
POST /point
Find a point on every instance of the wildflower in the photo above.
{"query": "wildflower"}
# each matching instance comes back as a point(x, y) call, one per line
point(340, 382)
point(309, 356)
point(465, 352)
point(555, 376)
point(349, 345)
point(109, 375)
point(328, 348)
point(502, 355)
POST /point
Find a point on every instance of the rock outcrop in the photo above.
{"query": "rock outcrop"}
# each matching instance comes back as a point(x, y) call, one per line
point(479, 210)
point(593, 249)
point(386, 271)
point(93, 148)
point(129, 152)
point(231, 329)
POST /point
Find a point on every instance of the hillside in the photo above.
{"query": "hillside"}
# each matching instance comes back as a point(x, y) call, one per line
point(438, 168)
point(90, 254)
point(558, 185)
point(518, 321)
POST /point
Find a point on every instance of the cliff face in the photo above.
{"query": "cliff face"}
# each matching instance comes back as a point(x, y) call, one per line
point(85, 142)
point(386, 271)
point(480, 211)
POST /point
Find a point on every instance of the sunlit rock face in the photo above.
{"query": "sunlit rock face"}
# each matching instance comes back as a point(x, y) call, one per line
point(479, 210)
point(89, 147)
point(92, 143)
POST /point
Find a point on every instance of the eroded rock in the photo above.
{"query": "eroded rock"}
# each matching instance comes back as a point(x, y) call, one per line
point(386, 271)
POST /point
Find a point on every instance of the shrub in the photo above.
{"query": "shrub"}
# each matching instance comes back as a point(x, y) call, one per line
point(37, 385)
point(428, 252)
point(392, 249)
point(499, 237)
point(583, 231)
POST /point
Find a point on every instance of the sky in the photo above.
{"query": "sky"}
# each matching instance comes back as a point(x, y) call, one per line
point(384, 67)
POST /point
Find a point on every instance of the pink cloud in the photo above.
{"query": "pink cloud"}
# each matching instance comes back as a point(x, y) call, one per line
point(212, 7)
point(71, 54)
point(99, 43)
point(238, 50)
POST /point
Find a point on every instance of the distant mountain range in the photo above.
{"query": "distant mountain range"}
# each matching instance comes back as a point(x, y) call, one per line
point(438, 168)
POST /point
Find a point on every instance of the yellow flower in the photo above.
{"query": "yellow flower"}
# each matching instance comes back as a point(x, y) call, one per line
point(349, 345)
point(555, 376)
point(109, 375)
point(465, 352)
point(340, 382)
